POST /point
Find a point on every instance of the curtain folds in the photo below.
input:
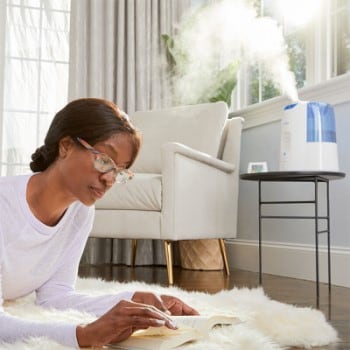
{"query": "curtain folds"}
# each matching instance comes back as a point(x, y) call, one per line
point(116, 50)
point(116, 53)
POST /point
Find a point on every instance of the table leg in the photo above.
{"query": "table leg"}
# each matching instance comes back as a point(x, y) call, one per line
point(316, 240)
point(328, 239)
point(260, 258)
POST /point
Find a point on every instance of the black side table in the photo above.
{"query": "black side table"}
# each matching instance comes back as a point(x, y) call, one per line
point(298, 176)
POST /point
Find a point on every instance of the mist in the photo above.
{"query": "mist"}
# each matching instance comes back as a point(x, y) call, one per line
point(213, 36)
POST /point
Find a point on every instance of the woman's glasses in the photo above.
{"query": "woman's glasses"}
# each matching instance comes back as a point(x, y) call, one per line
point(105, 164)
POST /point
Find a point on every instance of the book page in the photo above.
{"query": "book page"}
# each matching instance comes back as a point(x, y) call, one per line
point(189, 328)
point(201, 323)
point(204, 323)
point(169, 340)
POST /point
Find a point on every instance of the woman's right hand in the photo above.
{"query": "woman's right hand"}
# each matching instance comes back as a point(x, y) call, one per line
point(120, 322)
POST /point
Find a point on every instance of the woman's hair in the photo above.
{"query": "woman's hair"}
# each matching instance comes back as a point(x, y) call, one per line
point(91, 119)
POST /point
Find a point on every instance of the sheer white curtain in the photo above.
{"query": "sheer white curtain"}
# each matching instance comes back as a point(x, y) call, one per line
point(34, 52)
point(116, 53)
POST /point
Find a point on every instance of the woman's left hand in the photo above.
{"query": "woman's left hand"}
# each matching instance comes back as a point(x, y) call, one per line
point(177, 307)
point(165, 303)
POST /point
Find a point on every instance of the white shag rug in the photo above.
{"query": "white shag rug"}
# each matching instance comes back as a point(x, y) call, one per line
point(268, 324)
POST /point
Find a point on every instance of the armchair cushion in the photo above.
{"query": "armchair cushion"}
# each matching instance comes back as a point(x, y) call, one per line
point(143, 192)
point(198, 127)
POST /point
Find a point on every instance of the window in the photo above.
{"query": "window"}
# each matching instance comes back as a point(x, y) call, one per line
point(340, 18)
point(34, 76)
point(318, 50)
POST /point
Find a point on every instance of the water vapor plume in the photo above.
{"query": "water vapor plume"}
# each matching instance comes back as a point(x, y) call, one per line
point(223, 32)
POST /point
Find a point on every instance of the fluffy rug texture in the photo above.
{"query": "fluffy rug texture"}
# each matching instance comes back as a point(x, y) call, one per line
point(267, 324)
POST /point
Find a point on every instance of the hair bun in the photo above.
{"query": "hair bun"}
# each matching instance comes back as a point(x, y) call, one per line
point(39, 159)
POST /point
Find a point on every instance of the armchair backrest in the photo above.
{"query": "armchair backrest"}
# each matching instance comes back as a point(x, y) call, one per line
point(196, 126)
point(230, 147)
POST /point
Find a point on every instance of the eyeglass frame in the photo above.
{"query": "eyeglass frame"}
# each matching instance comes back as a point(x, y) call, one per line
point(126, 174)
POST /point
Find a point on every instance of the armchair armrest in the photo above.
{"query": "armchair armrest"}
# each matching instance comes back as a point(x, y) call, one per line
point(196, 187)
point(175, 147)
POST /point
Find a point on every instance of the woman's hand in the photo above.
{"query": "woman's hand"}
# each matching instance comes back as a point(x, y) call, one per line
point(120, 322)
point(166, 303)
point(177, 307)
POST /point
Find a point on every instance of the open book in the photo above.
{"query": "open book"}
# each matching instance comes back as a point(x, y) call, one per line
point(190, 328)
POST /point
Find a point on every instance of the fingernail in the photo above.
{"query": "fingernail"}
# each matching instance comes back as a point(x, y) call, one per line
point(168, 312)
point(173, 324)
point(160, 322)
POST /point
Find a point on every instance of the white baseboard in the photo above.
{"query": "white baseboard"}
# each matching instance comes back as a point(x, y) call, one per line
point(290, 260)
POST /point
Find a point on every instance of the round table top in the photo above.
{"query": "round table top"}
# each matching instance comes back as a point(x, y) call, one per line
point(293, 176)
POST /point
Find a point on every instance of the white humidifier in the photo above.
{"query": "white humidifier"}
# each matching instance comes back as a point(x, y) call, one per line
point(308, 138)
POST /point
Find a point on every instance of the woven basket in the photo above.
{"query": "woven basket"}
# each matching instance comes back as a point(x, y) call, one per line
point(201, 254)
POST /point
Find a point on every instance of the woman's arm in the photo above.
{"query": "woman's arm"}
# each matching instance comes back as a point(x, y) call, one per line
point(59, 290)
point(13, 329)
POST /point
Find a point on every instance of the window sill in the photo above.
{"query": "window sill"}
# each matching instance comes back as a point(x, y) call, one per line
point(334, 91)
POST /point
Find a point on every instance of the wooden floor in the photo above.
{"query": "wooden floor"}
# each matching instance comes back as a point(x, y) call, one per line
point(335, 306)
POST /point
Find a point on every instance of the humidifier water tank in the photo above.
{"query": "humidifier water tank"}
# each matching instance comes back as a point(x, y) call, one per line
point(308, 138)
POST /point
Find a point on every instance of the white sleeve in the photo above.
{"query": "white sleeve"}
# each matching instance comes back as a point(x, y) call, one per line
point(14, 329)
point(59, 291)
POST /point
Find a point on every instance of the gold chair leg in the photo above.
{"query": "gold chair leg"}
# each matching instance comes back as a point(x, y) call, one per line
point(169, 261)
point(224, 256)
point(133, 253)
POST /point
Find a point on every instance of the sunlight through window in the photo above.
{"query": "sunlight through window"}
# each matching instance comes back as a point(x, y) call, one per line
point(35, 60)
point(299, 12)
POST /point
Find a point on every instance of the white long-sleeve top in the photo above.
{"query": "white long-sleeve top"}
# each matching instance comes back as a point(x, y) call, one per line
point(44, 259)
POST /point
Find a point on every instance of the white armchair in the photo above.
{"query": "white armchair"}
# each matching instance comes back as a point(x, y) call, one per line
point(186, 180)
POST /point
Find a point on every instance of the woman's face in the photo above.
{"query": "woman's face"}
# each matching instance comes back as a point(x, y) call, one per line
point(84, 182)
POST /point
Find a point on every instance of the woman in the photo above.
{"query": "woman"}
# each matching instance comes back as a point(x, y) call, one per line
point(45, 221)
